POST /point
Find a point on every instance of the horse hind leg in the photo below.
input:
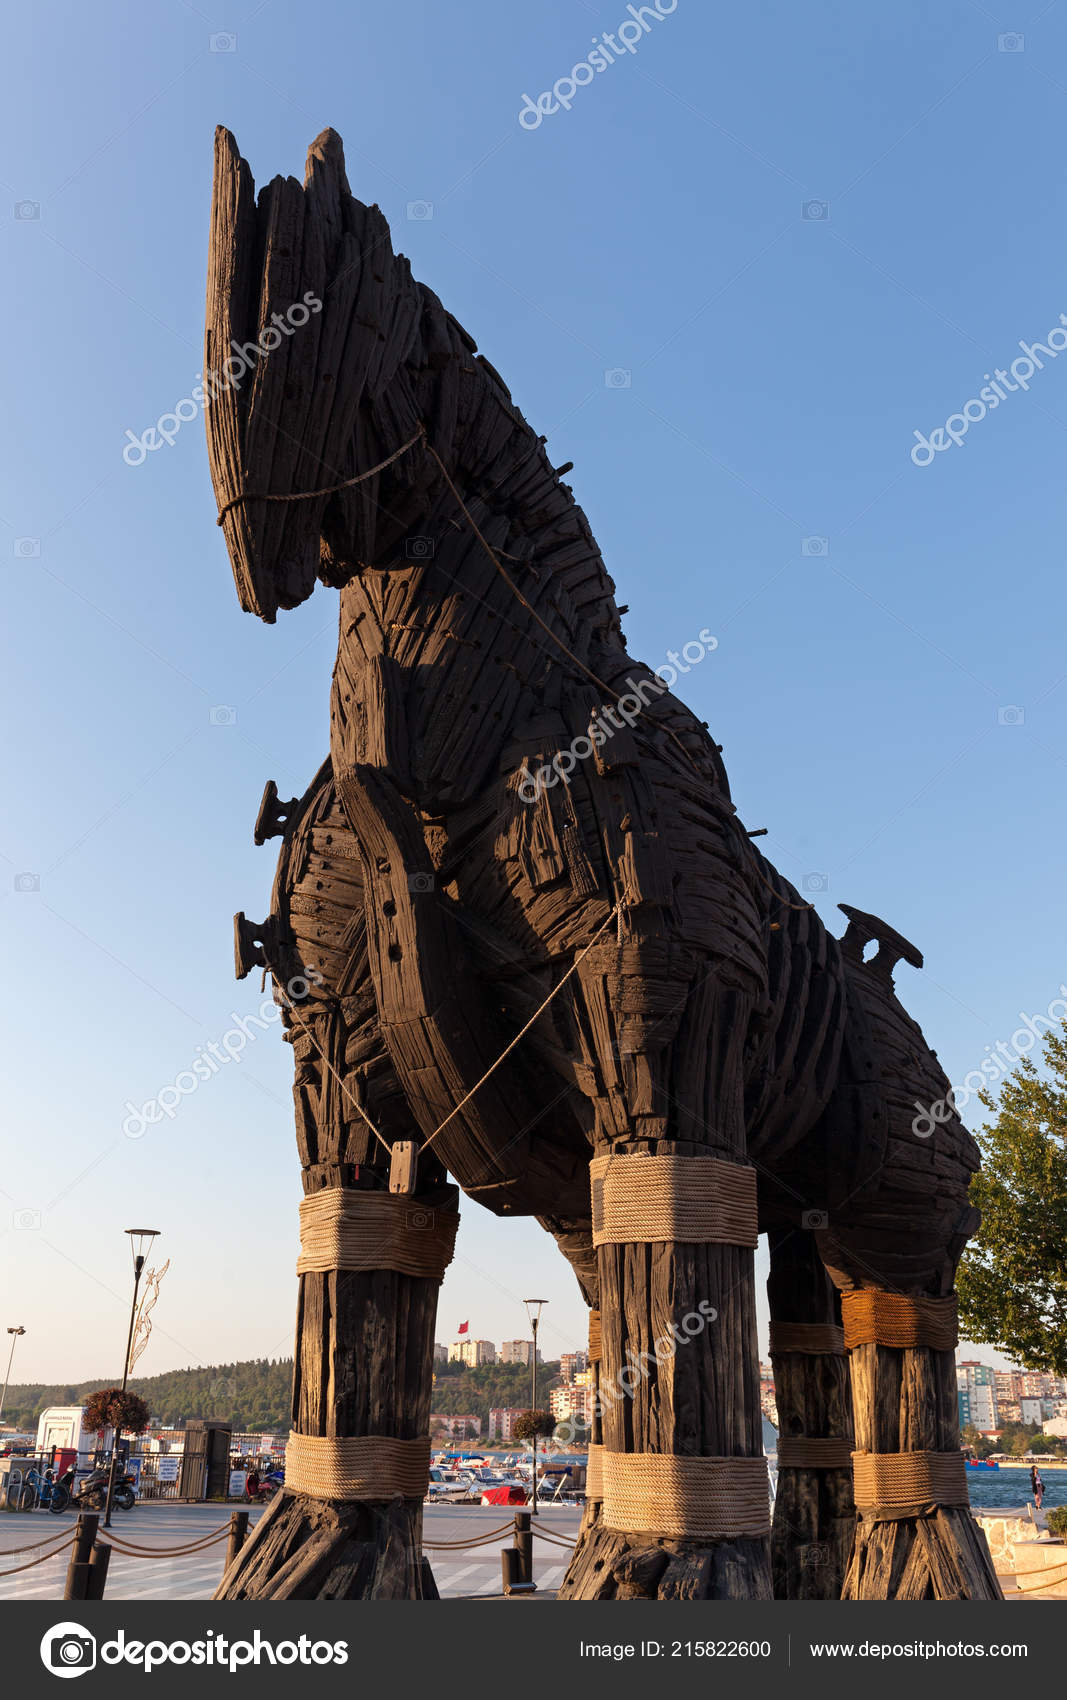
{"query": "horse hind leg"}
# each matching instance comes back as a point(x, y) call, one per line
point(898, 1219)
point(811, 1537)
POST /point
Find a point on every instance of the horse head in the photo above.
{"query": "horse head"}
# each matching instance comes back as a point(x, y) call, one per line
point(314, 346)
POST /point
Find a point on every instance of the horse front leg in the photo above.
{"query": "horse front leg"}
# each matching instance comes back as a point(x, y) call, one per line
point(348, 1522)
point(685, 1508)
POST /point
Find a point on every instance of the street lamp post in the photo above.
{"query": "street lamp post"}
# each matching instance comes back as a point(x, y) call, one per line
point(534, 1308)
point(140, 1245)
point(14, 1332)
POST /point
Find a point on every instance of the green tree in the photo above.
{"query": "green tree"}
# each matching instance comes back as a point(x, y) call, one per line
point(973, 1440)
point(1013, 1278)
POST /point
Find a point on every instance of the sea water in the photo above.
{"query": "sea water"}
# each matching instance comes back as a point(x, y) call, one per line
point(1009, 1487)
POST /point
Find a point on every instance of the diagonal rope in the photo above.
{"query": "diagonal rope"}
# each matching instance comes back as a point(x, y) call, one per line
point(582, 954)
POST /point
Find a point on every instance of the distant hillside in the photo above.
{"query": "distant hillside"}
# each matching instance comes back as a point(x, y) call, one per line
point(255, 1394)
point(458, 1390)
point(250, 1395)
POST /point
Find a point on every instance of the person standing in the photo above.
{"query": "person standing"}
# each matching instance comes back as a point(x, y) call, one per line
point(1037, 1486)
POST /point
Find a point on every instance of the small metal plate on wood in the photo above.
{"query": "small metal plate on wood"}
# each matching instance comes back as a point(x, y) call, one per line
point(403, 1164)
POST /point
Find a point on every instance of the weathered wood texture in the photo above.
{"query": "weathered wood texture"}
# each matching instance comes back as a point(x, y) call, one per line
point(905, 1401)
point(814, 1514)
point(504, 779)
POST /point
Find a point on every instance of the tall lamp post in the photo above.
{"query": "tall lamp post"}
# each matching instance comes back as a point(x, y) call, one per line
point(534, 1308)
point(14, 1332)
point(140, 1245)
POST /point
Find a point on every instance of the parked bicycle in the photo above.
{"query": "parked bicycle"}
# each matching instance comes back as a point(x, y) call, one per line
point(34, 1489)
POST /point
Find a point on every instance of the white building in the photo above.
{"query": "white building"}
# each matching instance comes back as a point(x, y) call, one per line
point(517, 1352)
point(502, 1421)
point(978, 1396)
point(472, 1352)
point(572, 1402)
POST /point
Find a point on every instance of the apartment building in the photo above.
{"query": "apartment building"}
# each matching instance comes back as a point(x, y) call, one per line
point(572, 1364)
point(502, 1422)
point(472, 1352)
point(518, 1352)
point(976, 1384)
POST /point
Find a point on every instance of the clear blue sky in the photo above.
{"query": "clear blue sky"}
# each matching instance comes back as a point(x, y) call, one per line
point(779, 366)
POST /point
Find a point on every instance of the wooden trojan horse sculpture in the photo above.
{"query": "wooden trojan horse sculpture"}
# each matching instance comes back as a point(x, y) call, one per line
point(521, 939)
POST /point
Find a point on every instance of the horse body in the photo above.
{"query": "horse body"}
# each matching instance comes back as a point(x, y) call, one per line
point(530, 929)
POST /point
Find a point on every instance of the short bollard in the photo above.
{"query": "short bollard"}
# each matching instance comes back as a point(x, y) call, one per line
point(78, 1569)
point(524, 1544)
point(99, 1559)
point(238, 1535)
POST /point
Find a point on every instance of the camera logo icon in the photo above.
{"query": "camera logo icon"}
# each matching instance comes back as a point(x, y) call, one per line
point(418, 1221)
point(1011, 715)
point(1012, 42)
point(814, 545)
point(67, 1649)
point(819, 211)
point(27, 1220)
point(814, 1219)
point(618, 378)
point(27, 210)
point(27, 548)
point(224, 42)
point(27, 882)
point(816, 882)
point(420, 882)
point(815, 1556)
point(418, 548)
point(420, 209)
point(223, 715)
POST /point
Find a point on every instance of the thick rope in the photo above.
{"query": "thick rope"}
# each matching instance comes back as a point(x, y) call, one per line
point(686, 1498)
point(365, 1467)
point(874, 1317)
point(473, 1541)
point(313, 495)
point(595, 1337)
point(640, 1200)
point(130, 1550)
point(34, 1546)
point(814, 1339)
point(341, 1228)
point(594, 1473)
point(889, 1480)
point(553, 1539)
point(810, 1452)
point(1058, 1578)
point(55, 1552)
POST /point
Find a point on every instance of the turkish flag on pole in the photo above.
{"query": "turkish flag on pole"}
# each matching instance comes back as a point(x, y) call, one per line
point(462, 1329)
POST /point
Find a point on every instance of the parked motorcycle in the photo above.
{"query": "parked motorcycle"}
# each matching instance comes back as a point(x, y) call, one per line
point(92, 1495)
